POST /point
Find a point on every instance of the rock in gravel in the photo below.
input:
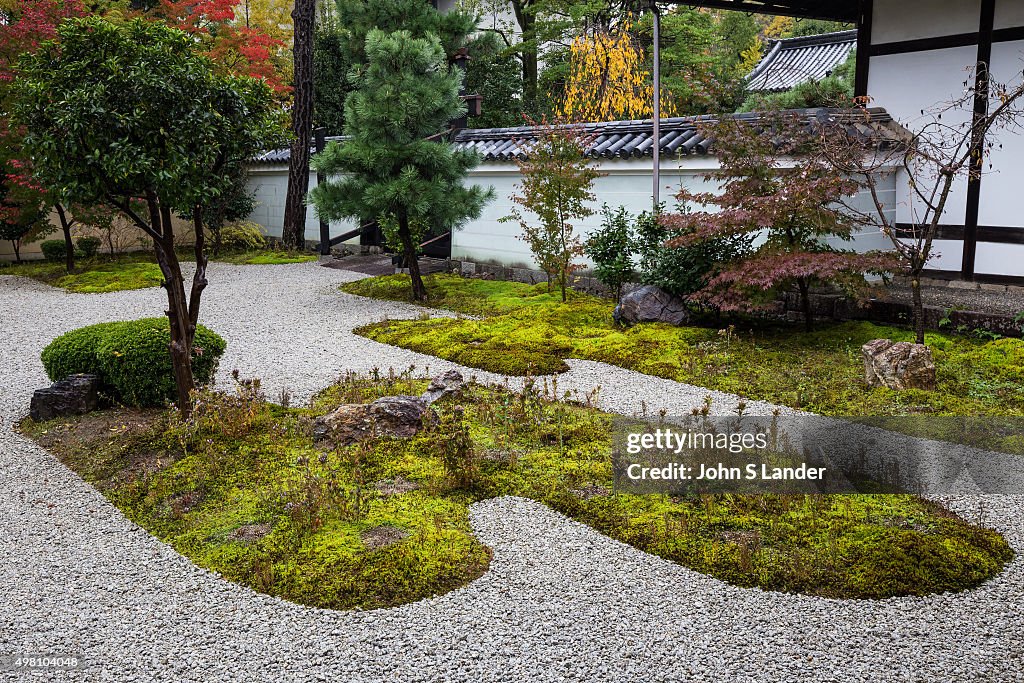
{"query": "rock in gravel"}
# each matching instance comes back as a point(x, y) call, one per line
point(74, 395)
point(397, 416)
point(447, 384)
point(650, 304)
point(898, 365)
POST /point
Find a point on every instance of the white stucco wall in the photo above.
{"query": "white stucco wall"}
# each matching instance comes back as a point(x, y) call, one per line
point(938, 77)
point(906, 84)
point(269, 185)
point(626, 183)
point(896, 20)
point(488, 239)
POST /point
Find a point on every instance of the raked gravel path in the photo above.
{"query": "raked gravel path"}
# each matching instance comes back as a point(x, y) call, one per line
point(560, 603)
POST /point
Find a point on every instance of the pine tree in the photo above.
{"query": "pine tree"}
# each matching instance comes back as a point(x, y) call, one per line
point(396, 167)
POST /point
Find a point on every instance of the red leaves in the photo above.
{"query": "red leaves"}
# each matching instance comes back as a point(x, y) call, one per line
point(781, 196)
point(742, 286)
point(238, 49)
point(34, 21)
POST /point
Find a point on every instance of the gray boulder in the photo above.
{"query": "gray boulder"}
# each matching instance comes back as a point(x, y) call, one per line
point(898, 365)
point(449, 383)
point(74, 395)
point(650, 304)
point(397, 416)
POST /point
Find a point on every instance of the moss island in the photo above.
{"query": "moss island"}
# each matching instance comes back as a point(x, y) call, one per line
point(524, 329)
point(239, 488)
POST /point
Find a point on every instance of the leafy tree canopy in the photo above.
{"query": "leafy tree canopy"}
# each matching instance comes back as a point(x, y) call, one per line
point(119, 111)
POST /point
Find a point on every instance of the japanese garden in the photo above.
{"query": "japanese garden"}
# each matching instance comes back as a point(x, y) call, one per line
point(499, 340)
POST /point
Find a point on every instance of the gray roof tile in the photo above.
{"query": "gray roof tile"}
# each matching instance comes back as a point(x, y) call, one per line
point(793, 61)
point(680, 136)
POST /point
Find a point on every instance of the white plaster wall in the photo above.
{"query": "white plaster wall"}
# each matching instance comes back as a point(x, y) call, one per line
point(907, 84)
point(1009, 13)
point(487, 239)
point(269, 185)
point(1000, 259)
point(627, 183)
point(1002, 201)
point(948, 255)
point(896, 20)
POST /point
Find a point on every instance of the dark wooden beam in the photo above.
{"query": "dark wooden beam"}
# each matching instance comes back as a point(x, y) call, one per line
point(867, 10)
point(832, 10)
point(981, 96)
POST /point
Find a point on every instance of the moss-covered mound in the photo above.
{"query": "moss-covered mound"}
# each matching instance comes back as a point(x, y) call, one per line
point(240, 489)
point(103, 274)
point(526, 328)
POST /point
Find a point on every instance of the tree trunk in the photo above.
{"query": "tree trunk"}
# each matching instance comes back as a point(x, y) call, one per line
point(293, 231)
point(419, 290)
point(177, 307)
point(805, 302)
point(69, 245)
point(915, 287)
point(199, 280)
point(17, 250)
point(215, 231)
point(528, 32)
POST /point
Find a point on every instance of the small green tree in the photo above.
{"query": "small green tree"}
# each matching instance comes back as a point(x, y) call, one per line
point(122, 112)
point(682, 270)
point(557, 189)
point(397, 167)
point(611, 248)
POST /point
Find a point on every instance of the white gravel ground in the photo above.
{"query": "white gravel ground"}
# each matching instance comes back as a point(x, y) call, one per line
point(560, 603)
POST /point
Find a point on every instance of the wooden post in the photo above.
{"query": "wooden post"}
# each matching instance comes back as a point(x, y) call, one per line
point(320, 135)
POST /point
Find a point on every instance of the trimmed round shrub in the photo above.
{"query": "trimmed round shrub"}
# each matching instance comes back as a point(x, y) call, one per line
point(88, 247)
point(132, 359)
point(54, 250)
point(74, 352)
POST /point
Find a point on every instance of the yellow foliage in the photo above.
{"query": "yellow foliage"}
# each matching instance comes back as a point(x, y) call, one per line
point(780, 27)
point(273, 17)
point(608, 80)
point(751, 56)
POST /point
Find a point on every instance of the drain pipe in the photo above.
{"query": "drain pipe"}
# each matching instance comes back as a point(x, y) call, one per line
point(656, 118)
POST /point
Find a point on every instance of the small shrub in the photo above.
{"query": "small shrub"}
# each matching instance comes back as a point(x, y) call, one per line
point(88, 247)
point(131, 358)
point(611, 249)
point(54, 250)
point(243, 236)
point(681, 270)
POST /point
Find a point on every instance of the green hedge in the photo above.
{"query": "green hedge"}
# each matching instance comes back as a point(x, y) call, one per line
point(131, 358)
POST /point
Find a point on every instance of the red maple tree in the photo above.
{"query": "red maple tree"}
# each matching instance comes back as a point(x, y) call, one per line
point(782, 199)
point(233, 47)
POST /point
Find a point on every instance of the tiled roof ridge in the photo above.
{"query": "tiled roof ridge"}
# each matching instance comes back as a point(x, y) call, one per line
point(680, 136)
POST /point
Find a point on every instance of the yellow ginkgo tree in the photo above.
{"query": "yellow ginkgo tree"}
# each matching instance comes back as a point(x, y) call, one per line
point(608, 79)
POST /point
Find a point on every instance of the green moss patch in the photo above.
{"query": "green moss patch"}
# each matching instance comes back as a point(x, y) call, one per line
point(267, 258)
point(525, 329)
point(240, 489)
point(95, 276)
point(131, 271)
